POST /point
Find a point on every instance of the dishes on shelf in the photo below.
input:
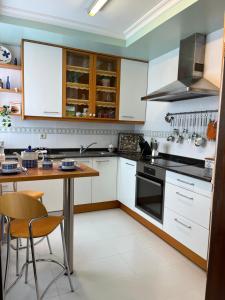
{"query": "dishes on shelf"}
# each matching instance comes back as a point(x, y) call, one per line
point(91, 86)
point(5, 55)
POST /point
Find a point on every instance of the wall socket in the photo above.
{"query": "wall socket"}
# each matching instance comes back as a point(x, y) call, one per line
point(43, 136)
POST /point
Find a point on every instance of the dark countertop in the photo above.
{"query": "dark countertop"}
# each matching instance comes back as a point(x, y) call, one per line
point(190, 167)
point(193, 171)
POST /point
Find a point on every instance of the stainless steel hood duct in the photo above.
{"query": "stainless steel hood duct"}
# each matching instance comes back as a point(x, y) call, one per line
point(190, 83)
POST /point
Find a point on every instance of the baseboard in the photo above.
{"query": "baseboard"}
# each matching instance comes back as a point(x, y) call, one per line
point(96, 206)
point(195, 258)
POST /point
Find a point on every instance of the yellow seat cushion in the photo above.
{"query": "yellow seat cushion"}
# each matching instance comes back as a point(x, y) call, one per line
point(40, 228)
point(33, 194)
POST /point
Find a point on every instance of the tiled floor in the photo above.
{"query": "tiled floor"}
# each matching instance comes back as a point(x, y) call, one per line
point(116, 258)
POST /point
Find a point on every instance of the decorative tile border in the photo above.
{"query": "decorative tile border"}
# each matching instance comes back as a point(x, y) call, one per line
point(70, 131)
point(155, 134)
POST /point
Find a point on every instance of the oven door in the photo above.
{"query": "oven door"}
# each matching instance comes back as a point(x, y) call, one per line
point(149, 196)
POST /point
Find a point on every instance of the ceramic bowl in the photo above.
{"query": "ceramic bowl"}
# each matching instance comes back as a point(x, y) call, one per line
point(68, 163)
point(9, 165)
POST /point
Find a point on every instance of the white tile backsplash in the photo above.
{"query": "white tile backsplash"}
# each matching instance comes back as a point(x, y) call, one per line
point(61, 134)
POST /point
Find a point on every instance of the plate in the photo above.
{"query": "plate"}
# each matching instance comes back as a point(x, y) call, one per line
point(10, 172)
point(5, 55)
point(69, 170)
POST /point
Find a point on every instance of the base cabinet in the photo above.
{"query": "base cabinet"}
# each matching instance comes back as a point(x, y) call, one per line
point(82, 186)
point(187, 211)
point(104, 186)
point(126, 182)
point(53, 192)
point(188, 233)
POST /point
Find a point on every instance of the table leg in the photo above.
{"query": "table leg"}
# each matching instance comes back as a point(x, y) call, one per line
point(1, 271)
point(68, 202)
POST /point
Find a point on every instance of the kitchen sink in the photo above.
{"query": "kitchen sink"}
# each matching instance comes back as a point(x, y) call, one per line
point(76, 154)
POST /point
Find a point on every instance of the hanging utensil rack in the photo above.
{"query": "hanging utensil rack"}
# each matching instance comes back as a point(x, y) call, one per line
point(190, 125)
point(192, 112)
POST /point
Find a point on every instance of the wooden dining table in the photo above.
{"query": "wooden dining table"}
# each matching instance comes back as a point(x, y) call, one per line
point(68, 198)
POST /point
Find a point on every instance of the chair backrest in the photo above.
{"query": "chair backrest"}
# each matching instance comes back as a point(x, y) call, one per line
point(20, 206)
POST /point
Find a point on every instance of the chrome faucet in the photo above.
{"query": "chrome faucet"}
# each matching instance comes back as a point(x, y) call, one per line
point(83, 149)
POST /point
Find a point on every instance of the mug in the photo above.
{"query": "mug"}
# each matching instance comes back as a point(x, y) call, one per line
point(47, 164)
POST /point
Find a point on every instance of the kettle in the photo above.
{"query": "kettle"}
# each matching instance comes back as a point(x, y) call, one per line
point(29, 157)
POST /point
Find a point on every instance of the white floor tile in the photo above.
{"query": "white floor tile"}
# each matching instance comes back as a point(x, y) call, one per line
point(115, 258)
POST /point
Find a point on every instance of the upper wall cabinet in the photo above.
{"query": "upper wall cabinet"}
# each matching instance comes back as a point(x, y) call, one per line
point(133, 85)
point(78, 85)
point(42, 80)
point(91, 86)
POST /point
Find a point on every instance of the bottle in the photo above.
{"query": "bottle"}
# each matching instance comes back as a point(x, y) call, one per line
point(8, 83)
point(15, 61)
point(2, 153)
point(1, 84)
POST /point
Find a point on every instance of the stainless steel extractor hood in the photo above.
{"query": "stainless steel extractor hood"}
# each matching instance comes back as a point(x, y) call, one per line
point(190, 83)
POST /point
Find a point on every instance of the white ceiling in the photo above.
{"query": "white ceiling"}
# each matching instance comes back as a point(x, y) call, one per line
point(115, 20)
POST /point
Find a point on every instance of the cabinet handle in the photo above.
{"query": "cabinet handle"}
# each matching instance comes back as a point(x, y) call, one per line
point(184, 196)
point(181, 223)
point(51, 112)
point(130, 164)
point(100, 161)
point(186, 182)
point(128, 117)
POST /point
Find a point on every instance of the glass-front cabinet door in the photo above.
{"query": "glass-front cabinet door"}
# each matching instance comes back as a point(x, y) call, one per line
point(106, 87)
point(91, 85)
point(78, 84)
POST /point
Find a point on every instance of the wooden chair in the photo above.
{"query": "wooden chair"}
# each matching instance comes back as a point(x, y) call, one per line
point(28, 218)
point(36, 195)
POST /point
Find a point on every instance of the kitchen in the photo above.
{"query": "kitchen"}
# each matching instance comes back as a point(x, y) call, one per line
point(113, 113)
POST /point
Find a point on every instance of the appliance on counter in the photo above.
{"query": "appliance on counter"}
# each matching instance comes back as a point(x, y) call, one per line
point(149, 150)
point(150, 183)
point(154, 147)
point(190, 83)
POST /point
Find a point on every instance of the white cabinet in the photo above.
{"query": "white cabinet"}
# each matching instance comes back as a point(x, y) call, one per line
point(104, 186)
point(187, 211)
point(53, 192)
point(42, 80)
point(188, 233)
point(190, 183)
point(191, 205)
point(133, 85)
point(126, 182)
point(82, 186)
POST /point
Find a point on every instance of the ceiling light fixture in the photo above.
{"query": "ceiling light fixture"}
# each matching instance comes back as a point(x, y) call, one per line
point(96, 7)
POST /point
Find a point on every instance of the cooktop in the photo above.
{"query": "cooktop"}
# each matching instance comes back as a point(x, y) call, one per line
point(161, 162)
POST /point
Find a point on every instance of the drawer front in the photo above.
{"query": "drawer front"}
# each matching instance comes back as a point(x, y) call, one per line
point(191, 235)
point(190, 183)
point(190, 205)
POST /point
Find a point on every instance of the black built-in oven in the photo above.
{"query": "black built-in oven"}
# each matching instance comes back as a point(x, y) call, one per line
point(150, 190)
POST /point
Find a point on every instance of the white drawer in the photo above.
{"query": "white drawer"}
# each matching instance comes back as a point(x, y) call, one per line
point(190, 205)
point(190, 183)
point(193, 236)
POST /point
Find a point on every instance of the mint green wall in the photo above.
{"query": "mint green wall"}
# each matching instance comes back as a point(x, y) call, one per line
point(13, 33)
